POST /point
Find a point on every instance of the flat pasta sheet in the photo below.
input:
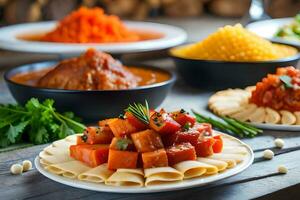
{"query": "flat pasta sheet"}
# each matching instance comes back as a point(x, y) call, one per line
point(97, 175)
point(68, 169)
point(161, 175)
point(192, 169)
point(126, 177)
point(219, 164)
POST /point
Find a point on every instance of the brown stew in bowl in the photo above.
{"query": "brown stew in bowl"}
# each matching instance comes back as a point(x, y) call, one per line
point(91, 71)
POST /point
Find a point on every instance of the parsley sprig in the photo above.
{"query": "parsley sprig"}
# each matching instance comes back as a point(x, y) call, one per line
point(36, 122)
point(140, 111)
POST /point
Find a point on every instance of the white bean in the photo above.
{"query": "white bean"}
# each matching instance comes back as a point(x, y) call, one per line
point(279, 142)
point(27, 165)
point(282, 169)
point(16, 169)
point(268, 154)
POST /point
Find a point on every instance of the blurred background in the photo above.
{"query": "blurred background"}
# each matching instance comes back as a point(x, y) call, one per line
point(198, 17)
point(18, 11)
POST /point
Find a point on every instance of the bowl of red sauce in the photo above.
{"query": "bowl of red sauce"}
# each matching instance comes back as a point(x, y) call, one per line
point(93, 85)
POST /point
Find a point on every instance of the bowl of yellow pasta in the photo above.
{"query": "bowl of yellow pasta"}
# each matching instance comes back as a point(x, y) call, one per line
point(231, 57)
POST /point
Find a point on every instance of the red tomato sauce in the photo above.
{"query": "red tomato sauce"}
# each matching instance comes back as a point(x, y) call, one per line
point(280, 91)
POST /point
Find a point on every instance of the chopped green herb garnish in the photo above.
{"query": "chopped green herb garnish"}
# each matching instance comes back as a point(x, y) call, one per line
point(98, 130)
point(123, 143)
point(84, 137)
point(158, 124)
point(121, 116)
point(187, 126)
point(286, 80)
point(182, 110)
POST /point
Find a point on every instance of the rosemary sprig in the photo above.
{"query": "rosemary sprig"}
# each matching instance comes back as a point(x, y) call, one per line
point(229, 125)
point(140, 111)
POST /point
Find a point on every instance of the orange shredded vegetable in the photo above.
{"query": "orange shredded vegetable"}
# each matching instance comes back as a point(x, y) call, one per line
point(90, 25)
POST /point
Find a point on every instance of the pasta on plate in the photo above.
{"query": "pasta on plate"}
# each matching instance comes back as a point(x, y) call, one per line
point(55, 160)
point(145, 149)
point(273, 101)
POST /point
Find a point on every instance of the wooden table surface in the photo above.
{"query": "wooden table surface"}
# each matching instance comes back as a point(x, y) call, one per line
point(260, 180)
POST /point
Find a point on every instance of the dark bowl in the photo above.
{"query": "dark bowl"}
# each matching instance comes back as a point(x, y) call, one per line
point(209, 74)
point(90, 105)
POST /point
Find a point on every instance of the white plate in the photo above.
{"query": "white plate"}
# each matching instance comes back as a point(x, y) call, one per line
point(172, 36)
point(277, 127)
point(268, 28)
point(190, 183)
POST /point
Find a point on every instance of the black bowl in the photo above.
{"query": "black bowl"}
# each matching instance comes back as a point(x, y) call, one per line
point(90, 105)
point(209, 74)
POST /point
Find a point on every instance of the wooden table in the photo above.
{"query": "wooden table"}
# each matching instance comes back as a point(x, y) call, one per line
point(260, 180)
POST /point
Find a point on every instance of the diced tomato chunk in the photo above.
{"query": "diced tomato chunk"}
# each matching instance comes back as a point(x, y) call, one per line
point(135, 122)
point(74, 153)
point(180, 152)
point(122, 144)
point(182, 117)
point(162, 123)
point(151, 112)
point(96, 135)
point(218, 145)
point(79, 140)
point(92, 155)
point(146, 141)
point(188, 134)
point(183, 136)
point(156, 158)
point(204, 147)
point(121, 127)
point(203, 128)
point(122, 159)
point(104, 124)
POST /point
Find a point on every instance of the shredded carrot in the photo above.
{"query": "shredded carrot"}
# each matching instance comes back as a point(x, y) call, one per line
point(90, 26)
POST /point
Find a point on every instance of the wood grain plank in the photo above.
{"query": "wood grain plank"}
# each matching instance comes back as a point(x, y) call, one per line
point(17, 156)
point(32, 185)
point(248, 190)
point(256, 183)
point(283, 194)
